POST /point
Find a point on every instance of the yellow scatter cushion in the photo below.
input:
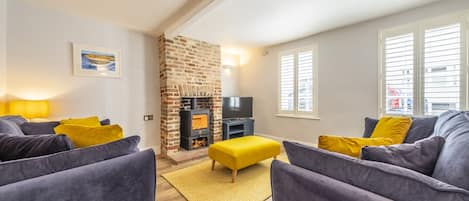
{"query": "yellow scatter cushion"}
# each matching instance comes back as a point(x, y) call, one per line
point(392, 127)
point(88, 121)
point(85, 136)
point(349, 145)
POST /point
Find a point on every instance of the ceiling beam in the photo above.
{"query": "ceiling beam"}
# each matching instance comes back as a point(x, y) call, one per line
point(184, 17)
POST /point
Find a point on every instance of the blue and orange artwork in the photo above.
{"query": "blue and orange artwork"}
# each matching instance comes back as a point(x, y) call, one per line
point(98, 61)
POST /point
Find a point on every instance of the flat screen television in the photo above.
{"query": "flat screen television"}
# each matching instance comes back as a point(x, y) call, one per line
point(237, 107)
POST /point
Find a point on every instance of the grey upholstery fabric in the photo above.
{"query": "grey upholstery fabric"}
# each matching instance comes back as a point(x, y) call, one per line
point(384, 179)
point(453, 164)
point(15, 118)
point(127, 178)
point(291, 183)
point(10, 127)
point(16, 147)
point(39, 128)
point(420, 156)
point(105, 122)
point(370, 125)
point(421, 128)
point(18, 170)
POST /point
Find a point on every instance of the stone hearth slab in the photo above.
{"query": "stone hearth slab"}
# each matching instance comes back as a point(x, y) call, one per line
point(184, 155)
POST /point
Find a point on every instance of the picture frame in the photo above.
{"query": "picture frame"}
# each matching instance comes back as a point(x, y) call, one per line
point(93, 61)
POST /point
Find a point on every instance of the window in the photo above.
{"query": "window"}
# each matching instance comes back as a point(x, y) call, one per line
point(399, 79)
point(298, 83)
point(442, 69)
point(423, 67)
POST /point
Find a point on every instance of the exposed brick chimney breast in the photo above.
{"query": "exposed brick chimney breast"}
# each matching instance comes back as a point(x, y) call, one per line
point(188, 68)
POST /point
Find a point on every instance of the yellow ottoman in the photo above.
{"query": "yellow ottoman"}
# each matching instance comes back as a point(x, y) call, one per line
point(241, 152)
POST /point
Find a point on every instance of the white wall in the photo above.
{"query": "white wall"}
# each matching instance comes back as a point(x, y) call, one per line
point(3, 30)
point(348, 77)
point(230, 81)
point(39, 60)
point(230, 75)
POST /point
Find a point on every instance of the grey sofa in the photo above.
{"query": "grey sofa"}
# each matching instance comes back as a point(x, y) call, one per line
point(116, 171)
point(321, 175)
point(126, 178)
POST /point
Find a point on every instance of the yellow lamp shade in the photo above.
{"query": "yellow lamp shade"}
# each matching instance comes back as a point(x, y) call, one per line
point(30, 109)
point(3, 108)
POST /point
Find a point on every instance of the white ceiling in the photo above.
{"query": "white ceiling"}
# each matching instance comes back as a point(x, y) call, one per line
point(141, 15)
point(233, 23)
point(254, 23)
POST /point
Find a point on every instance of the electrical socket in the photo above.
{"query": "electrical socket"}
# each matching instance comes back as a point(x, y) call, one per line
point(147, 117)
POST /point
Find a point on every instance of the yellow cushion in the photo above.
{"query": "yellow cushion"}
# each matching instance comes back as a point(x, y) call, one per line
point(392, 127)
point(88, 121)
point(349, 145)
point(84, 136)
point(244, 151)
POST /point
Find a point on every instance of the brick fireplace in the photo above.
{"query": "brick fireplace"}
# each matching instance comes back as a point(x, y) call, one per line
point(188, 69)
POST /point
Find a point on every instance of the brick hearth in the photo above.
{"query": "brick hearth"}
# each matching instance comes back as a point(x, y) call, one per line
point(188, 67)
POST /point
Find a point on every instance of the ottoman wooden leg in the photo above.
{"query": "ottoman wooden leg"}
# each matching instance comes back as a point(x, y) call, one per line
point(213, 165)
point(233, 175)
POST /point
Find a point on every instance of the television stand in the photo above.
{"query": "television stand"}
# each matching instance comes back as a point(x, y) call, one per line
point(233, 128)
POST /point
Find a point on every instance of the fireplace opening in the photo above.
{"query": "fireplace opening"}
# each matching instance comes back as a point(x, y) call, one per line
point(195, 123)
point(199, 142)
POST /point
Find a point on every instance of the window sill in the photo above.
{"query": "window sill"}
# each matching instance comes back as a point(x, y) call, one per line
point(296, 116)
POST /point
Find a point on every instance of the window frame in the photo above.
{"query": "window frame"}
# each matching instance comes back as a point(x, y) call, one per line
point(418, 29)
point(295, 113)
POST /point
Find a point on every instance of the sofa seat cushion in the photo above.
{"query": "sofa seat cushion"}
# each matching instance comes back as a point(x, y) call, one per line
point(18, 170)
point(349, 145)
point(14, 147)
point(420, 156)
point(84, 136)
point(453, 163)
point(390, 181)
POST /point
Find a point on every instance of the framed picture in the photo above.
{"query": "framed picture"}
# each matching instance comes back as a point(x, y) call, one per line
point(96, 61)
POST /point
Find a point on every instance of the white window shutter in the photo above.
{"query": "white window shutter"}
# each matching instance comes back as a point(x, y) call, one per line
point(442, 69)
point(305, 81)
point(287, 82)
point(399, 74)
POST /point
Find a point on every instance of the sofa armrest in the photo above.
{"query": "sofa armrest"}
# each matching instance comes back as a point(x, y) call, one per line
point(126, 178)
point(384, 179)
point(294, 183)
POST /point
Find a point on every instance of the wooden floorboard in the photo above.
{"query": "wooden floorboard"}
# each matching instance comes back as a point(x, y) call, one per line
point(164, 191)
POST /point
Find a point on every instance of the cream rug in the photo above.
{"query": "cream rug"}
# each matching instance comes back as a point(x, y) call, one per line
point(199, 183)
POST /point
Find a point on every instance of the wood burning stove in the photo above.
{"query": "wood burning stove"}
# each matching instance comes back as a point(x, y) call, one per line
point(195, 127)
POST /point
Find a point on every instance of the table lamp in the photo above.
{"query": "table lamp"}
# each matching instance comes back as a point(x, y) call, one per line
point(30, 109)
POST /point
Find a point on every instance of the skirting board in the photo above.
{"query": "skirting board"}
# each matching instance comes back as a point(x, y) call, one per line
point(280, 139)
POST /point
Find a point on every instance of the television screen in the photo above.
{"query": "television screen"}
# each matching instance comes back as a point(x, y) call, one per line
point(237, 107)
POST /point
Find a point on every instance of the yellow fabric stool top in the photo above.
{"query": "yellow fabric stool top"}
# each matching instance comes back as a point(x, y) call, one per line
point(242, 152)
